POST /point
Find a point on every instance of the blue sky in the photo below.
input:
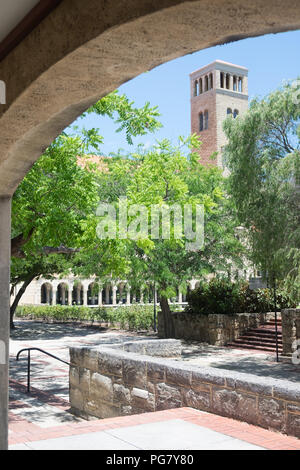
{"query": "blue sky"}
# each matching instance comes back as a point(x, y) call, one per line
point(270, 59)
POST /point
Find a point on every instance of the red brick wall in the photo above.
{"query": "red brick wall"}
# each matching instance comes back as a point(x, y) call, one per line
point(205, 101)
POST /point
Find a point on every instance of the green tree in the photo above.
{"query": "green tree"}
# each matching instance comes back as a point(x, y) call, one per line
point(48, 209)
point(264, 160)
point(54, 206)
point(165, 176)
point(130, 119)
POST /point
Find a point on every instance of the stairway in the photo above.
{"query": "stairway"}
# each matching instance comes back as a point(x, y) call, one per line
point(262, 338)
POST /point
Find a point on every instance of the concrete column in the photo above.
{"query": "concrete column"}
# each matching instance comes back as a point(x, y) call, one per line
point(5, 213)
point(54, 296)
point(291, 332)
point(70, 296)
point(85, 296)
point(115, 288)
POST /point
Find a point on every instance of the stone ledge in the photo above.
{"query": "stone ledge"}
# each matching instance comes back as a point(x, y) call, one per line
point(165, 348)
point(133, 383)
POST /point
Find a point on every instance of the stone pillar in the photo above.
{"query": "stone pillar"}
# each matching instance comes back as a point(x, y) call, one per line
point(54, 296)
point(85, 296)
point(290, 330)
point(5, 211)
point(37, 297)
point(217, 79)
point(115, 288)
point(70, 295)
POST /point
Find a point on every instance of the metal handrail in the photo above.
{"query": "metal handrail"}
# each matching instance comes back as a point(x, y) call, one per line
point(29, 361)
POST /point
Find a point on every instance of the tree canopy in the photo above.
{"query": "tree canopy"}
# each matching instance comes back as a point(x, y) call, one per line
point(164, 176)
point(263, 156)
point(54, 206)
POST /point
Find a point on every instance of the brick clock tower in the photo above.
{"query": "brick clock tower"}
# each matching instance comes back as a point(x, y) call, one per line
point(218, 90)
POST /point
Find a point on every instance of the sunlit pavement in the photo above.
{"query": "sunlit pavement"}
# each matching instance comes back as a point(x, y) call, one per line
point(184, 429)
point(41, 420)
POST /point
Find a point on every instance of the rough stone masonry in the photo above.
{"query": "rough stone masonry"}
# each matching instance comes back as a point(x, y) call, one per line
point(131, 378)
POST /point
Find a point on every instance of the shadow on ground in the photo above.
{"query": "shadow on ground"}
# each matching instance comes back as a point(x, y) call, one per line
point(248, 362)
point(34, 330)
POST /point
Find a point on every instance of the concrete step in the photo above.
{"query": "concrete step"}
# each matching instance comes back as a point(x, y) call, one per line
point(257, 339)
point(272, 325)
point(254, 347)
point(263, 332)
point(262, 338)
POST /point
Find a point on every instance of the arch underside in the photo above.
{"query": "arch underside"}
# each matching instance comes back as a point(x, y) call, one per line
point(84, 50)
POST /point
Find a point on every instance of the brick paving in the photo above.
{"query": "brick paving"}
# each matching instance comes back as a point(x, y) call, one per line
point(43, 417)
point(25, 432)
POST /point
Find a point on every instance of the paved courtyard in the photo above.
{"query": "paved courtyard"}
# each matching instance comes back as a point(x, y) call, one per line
point(240, 360)
point(41, 420)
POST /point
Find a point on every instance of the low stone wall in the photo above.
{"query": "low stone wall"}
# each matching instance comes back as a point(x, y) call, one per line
point(290, 330)
point(161, 348)
point(213, 329)
point(108, 382)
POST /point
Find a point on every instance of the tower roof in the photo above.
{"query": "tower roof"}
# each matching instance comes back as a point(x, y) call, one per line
point(220, 65)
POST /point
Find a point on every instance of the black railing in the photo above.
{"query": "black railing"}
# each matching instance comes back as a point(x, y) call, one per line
point(29, 361)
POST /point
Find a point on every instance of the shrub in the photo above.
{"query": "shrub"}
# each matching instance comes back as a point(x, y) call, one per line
point(217, 296)
point(131, 317)
point(134, 317)
point(221, 296)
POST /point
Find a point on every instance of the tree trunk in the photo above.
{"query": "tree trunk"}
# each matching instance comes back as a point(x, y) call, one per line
point(17, 300)
point(167, 318)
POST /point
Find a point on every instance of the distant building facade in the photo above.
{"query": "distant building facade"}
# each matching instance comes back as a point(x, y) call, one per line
point(87, 292)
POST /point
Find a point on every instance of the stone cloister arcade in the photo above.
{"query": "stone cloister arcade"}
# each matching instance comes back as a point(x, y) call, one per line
point(90, 293)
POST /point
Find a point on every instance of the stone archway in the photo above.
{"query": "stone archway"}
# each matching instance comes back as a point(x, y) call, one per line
point(80, 52)
point(46, 293)
point(93, 294)
point(78, 294)
point(62, 295)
